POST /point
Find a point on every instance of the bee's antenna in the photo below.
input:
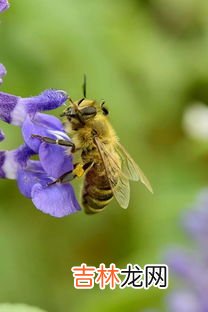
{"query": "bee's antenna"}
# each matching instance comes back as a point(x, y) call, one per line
point(84, 86)
point(70, 100)
point(80, 101)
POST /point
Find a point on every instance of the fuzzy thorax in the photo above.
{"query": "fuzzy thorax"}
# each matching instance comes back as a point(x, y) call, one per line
point(83, 137)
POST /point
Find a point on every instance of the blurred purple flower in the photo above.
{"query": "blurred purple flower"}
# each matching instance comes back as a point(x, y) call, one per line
point(33, 176)
point(4, 5)
point(2, 72)
point(192, 266)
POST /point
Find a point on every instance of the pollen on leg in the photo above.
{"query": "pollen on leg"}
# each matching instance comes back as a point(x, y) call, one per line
point(78, 171)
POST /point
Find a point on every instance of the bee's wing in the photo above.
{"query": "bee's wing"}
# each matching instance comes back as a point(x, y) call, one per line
point(131, 169)
point(120, 186)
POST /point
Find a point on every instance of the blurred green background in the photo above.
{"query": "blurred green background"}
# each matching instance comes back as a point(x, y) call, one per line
point(148, 60)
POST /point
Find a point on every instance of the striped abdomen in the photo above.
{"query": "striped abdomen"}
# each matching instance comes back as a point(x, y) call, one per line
point(97, 192)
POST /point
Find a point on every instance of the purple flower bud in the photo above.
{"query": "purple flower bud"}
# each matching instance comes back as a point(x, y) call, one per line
point(14, 109)
point(47, 100)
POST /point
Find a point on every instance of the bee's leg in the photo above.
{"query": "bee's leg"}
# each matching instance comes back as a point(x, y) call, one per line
point(52, 141)
point(77, 172)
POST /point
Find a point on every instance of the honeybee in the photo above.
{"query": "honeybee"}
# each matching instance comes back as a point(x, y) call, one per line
point(106, 165)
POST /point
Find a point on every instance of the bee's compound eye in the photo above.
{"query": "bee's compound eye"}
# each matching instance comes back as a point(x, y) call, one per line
point(89, 111)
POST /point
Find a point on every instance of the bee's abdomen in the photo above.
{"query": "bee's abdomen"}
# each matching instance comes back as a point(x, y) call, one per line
point(97, 192)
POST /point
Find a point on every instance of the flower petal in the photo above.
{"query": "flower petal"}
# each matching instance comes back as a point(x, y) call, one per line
point(2, 69)
point(4, 5)
point(31, 175)
point(47, 100)
point(57, 200)
point(14, 109)
point(11, 161)
point(54, 160)
point(10, 111)
point(43, 125)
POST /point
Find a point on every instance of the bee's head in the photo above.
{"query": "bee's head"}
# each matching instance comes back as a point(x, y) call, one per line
point(82, 110)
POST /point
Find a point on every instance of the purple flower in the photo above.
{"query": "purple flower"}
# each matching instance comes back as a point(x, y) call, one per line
point(57, 200)
point(14, 109)
point(35, 176)
point(2, 72)
point(192, 265)
point(11, 161)
point(4, 5)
